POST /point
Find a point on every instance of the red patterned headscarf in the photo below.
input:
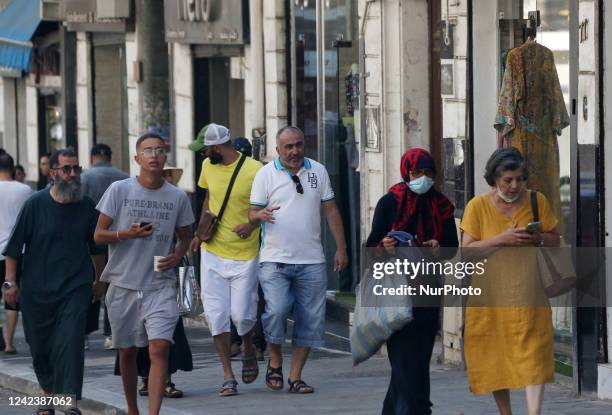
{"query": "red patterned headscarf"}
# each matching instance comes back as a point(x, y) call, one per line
point(420, 215)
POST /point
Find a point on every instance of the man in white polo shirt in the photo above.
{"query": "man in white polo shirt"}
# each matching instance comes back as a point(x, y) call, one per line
point(286, 199)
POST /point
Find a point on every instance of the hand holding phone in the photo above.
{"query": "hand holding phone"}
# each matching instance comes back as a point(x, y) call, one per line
point(533, 227)
point(139, 230)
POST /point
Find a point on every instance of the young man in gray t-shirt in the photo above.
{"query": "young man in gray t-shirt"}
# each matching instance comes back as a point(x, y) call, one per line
point(138, 220)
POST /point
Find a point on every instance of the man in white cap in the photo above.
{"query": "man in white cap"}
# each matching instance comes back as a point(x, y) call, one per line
point(229, 258)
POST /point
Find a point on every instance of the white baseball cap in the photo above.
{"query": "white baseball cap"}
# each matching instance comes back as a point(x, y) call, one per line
point(211, 135)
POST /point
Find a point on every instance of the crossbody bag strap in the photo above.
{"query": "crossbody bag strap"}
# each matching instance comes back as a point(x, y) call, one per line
point(534, 205)
point(230, 186)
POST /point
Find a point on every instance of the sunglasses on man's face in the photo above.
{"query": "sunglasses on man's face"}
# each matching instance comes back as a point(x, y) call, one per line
point(67, 169)
point(298, 184)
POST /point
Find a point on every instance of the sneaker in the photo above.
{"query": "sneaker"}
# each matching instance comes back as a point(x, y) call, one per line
point(108, 343)
point(86, 342)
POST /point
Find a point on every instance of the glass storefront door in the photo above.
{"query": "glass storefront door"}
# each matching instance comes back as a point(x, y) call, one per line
point(554, 33)
point(324, 98)
point(340, 155)
point(304, 73)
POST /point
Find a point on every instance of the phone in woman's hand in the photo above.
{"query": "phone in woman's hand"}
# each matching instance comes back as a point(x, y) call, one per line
point(533, 227)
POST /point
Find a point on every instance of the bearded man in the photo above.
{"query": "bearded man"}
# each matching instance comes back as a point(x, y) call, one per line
point(54, 233)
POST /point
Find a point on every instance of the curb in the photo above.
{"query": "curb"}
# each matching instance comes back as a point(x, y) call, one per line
point(22, 384)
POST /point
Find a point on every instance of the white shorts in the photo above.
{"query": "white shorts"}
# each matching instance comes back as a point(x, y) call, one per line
point(229, 290)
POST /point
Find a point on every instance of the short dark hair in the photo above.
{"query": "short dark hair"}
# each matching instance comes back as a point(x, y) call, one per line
point(62, 152)
point(243, 145)
point(7, 164)
point(146, 136)
point(502, 160)
point(101, 150)
point(286, 129)
point(20, 168)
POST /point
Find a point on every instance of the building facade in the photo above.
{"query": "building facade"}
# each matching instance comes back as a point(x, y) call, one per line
point(446, 72)
point(364, 79)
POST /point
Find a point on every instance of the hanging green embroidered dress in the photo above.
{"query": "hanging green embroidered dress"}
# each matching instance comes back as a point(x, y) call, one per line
point(531, 115)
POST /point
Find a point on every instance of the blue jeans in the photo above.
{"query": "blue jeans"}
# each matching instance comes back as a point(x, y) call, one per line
point(296, 287)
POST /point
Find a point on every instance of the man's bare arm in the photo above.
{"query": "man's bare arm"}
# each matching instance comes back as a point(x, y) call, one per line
point(334, 220)
point(104, 236)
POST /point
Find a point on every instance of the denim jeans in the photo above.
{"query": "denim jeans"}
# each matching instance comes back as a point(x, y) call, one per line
point(299, 288)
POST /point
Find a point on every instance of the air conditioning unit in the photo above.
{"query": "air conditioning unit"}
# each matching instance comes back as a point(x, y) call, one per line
point(113, 9)
point(50, 10)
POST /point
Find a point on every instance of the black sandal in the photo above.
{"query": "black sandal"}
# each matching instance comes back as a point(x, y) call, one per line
point(299, 386)
point(45, 411)
point(72, 411)
point(171, 392)
point(274, 374)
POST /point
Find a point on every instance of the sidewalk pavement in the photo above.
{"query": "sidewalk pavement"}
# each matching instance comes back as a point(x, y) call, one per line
point(340, 389)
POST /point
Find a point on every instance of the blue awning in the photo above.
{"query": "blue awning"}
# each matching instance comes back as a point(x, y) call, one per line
point(18, 21)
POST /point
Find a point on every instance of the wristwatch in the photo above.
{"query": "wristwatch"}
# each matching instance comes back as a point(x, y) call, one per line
point(7, 285)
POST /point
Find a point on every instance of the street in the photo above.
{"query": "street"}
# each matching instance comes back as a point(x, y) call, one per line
point(340, 389)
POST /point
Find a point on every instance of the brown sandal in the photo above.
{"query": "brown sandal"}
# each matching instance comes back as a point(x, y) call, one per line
point(250, 372)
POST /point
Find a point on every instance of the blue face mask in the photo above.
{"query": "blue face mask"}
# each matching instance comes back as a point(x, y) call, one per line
point(421, 185)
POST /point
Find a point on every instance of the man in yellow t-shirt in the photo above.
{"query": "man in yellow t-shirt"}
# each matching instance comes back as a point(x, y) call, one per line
point(229, 260)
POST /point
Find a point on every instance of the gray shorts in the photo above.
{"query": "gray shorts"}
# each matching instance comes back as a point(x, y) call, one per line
point(139, 316)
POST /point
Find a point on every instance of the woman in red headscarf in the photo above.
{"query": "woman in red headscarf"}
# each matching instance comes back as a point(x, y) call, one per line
point(416, 207)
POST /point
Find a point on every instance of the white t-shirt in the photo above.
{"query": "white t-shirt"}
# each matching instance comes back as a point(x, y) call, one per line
point(295, 237)
point(14, 195)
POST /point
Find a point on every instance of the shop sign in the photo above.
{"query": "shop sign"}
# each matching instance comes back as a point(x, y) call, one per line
point(84, 15)
point(206, 22)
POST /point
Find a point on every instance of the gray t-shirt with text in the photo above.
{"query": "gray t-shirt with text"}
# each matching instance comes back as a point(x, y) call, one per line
point(130, 263)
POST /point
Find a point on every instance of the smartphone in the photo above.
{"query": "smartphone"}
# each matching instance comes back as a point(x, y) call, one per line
point(533, 227)
point(143, 224)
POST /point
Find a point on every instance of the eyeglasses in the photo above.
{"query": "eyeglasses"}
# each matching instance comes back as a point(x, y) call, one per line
point(158, 151)
point(67, 169)
point(298, 184)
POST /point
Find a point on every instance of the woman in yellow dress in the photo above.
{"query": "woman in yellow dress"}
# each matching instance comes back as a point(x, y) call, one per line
point(508, 330)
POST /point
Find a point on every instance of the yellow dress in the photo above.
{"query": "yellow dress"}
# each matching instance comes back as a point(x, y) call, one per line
point(508, 340)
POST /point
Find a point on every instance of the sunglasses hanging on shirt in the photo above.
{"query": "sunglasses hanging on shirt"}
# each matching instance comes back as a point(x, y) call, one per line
point(298, 184)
